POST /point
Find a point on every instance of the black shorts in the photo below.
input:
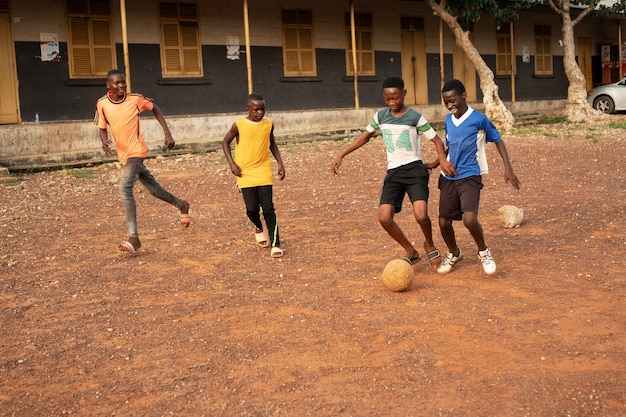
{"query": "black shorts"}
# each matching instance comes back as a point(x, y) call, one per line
point(411, 179)
point(459, 196)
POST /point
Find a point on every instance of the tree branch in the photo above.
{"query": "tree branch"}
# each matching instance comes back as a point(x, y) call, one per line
point(584, 13)
point(555, 7)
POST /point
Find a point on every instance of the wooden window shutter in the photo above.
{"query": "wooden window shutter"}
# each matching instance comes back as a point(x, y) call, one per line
point(81, 51)
point(364, 38)
point(91, 48)
point(181, 50)
point(102, 46)
point(298, 43)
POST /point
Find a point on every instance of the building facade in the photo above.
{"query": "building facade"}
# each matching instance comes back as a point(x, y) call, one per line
point(204, 56)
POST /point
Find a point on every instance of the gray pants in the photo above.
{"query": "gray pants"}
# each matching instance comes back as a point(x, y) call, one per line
point(134, 171)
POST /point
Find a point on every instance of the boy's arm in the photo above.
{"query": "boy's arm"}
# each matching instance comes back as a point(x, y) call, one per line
point(509, 175)
point(106, 141)
point(446, 166)
point(276, 152)
point(232, 133)
point(360, 141)
point(169, 140)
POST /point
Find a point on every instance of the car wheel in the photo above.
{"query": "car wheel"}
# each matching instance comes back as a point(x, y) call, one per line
point(605, 104)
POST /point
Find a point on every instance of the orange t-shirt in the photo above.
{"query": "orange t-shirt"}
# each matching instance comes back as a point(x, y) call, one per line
point(123, 120)
point(252, 152)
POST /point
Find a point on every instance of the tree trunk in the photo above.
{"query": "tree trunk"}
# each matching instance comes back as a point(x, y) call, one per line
point(494, 106)
point(577, 107)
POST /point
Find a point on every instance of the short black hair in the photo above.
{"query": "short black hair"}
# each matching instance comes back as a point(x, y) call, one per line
point(455, 85)
point(255, 97)
point(394, 82)
point(115, 72)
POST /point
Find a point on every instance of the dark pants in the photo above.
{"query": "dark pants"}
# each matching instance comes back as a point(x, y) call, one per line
point(257, 199)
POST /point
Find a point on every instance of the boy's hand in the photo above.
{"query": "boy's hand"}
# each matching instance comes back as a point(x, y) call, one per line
point(106, 146)
point(511, 178)
point(448, 168)
point(281, 172)
point(169, 141)
point(334, 168)
point(234, 168)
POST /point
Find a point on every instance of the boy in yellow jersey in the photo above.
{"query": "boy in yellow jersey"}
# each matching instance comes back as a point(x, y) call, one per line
point(120, 111)
point(254, 136)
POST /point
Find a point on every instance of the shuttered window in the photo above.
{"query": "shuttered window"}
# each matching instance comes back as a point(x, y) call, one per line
point(503, 51)
point(91, 50)
point(543, 50)
point(364, 36)
point(181, 51)
point(298, 45)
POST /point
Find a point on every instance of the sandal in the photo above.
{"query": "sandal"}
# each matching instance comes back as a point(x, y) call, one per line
point(261, 239)
point(411, 261)
point(126, 247)
point(434, 257)
point(185, 220)
point(276, 252)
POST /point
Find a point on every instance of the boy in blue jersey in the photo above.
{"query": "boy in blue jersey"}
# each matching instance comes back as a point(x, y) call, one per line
point(467, 131)
point(401, 128)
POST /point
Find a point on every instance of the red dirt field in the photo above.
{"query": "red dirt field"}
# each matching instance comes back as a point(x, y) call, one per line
point(202, 322)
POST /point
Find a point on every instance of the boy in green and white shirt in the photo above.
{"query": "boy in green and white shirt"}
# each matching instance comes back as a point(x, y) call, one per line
point(401, 128)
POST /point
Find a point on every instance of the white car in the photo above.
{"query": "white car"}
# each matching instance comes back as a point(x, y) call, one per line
point(609, 98)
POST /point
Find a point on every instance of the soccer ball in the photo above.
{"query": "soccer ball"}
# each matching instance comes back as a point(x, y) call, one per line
point(398, 275)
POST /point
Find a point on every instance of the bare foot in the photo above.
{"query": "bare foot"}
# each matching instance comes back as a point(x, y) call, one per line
point(412, 257)
point(134, 240)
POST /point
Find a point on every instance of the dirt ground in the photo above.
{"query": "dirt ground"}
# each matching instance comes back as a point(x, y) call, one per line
point(202, 322)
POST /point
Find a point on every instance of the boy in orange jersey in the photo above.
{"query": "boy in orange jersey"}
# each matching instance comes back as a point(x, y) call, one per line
point(120, 111)
point(253, 136)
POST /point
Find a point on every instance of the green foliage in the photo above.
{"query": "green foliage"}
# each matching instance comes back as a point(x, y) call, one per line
point(469, 12)
point(82, 173)
point(618, 125)
point(553, 119)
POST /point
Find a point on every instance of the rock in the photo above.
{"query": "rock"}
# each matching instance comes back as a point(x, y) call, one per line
point(511, 216)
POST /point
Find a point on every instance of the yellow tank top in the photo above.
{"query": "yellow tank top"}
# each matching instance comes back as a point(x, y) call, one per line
point(252, 152)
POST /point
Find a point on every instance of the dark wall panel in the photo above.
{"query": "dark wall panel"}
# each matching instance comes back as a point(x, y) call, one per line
point(45, 87)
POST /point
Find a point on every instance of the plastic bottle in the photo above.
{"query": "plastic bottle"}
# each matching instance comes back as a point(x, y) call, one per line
point(37, 118)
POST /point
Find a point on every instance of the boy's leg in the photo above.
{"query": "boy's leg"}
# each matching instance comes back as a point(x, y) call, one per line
point(251, 200)
point(415, 180)
point(470, 220)
point(420, 211)
point(129, 178)
point(266, 200)
point(469, 200)
point(447, 233)
point(449, 210)
point(391, 199)
point(154, 188)
point(385, 217)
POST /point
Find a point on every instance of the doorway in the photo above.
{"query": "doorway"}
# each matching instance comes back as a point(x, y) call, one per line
point(9, 105)
point(464, 71)
point(413, 56)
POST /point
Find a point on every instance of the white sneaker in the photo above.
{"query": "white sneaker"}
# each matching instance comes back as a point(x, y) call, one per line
point(449, 262)
point(489, 264)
